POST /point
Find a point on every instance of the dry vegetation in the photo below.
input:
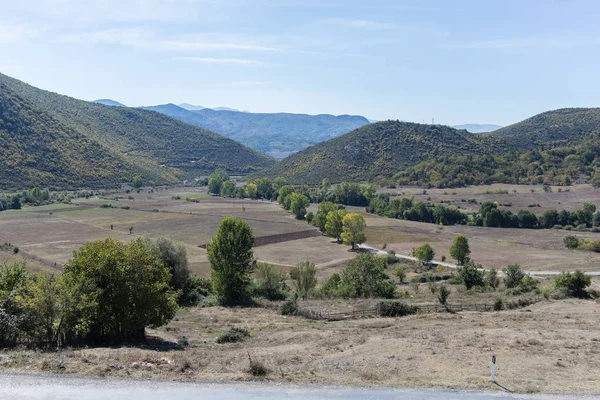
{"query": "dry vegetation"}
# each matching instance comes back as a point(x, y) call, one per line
point(549, 347)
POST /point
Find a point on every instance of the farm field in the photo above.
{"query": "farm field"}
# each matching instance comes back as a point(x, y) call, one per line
point(48, 235)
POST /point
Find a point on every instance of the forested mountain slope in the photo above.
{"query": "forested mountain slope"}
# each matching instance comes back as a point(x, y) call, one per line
point(163, 149)
point(374, 151)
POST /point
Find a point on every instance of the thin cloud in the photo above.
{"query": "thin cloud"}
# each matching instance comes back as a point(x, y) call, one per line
point(12, 33)
point(243, 84)
point(360, 24)
point(211, 60)
point(545, 42)
point(144, 38)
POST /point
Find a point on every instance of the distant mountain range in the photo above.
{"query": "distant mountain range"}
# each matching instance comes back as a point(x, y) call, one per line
point(191, 107)
point(478, 128)
point(57, 141)
point(109, 102)
point(277, 135)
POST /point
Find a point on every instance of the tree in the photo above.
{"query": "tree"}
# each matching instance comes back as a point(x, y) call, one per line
point(304, 278)
point(491, 278)
point(325, 185)
point(264, 188)
point(137, 182)
point(470, 274)
point(322, 211)
point(365, 277)
point(115, 290)
point(353, 229)
point(231, 260)
point(425, 253)
point(334, 225)
point(228, 188)
point(283, 194)
point(400, 273)
point(573, 284)
point(215, 181)
point(298, 204)
point(513, 275)
point(251, 190)
point(460, 250)
point(174, 258)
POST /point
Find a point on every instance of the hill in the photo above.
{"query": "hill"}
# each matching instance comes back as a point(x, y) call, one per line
point(162, 149)
point(374, 151)
point(37, 150)
point(561, 127)
point(478, 128)
point(109, 102)
point(276, 135)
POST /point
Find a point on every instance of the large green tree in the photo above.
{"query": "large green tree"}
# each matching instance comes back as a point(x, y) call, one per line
point(460, 250)
point(231, 260)
point(353, 229)
point(335, 224)
point(298, 205)
point(115, 290)
point(425, 253)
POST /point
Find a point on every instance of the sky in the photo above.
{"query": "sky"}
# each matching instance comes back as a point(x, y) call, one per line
point(457, 61)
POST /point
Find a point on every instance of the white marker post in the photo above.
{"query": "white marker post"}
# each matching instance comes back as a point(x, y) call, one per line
point(493, 377)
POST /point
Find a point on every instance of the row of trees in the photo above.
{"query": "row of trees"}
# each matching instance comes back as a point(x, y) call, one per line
point(491, 215)
point(405, 208)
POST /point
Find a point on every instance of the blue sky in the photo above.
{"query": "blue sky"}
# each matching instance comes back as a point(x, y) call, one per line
point(455, 61)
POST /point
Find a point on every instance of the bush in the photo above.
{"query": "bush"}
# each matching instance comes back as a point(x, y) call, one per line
point(304, 278)
point(288, 307)
point(400, 273)
point(491, 278)
point(571, 242)
point(394, 308)
point(498, 304)
point(256, 368)
point(573, 284)
point(269, 283)
point(391, 258)
point(443, 295)
point(233, 335)
point(470, 275)
point(513, 276)
point(365, 277)
point(195, 291)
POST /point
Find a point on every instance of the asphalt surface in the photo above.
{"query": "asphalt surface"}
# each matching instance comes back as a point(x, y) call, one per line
point(37, 387)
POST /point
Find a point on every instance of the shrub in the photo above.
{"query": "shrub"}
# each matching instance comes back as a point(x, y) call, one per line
point(491, 278)
point(365, 277)
point(425, 253)
point(288, 307)
point(498, 304)
point(256, 368)
point(432, 287)
point(233, 335)
point(195, 291)
point(269, 282)
point(394, 308)
point(304, 278)
point(331, 285)
point(545, 291)
point(513, 276)
point(571, 242)
point(573, 284)
point(391, 258)
point(470, 275)
point(443, 295)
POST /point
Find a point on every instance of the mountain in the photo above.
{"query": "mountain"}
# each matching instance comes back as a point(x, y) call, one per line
point(478, 128)
point(276, 135)
point(38, 150)
point(556, 148)
point(191, 107)
point(560, 127)
point(109, 102)
point(374, 151)
point(124, 140)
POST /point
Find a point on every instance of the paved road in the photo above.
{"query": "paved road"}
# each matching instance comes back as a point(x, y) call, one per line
point(36, 387)
point(449, 265)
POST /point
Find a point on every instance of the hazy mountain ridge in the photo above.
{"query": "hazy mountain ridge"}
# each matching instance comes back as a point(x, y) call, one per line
point(277, 134)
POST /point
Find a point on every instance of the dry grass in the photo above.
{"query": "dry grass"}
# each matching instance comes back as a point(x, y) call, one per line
point(550, 346)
